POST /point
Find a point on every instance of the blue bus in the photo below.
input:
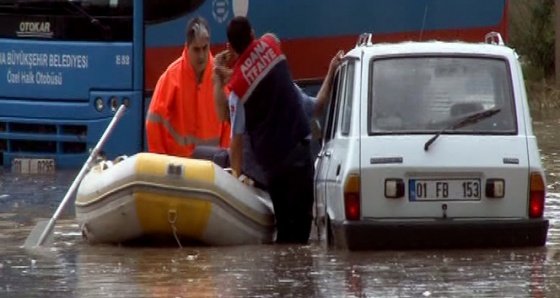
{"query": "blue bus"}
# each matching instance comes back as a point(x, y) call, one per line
point(66, 65)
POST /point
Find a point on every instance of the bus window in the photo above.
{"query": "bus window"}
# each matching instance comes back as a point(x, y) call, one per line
point(157, 11)
point(77, 20)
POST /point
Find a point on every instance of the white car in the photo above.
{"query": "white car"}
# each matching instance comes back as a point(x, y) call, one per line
point(430, 143)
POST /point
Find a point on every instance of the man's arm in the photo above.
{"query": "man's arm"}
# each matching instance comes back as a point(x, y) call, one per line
point(237, 131)
point(325, 91)
point(308, 102)
point(221, 75)
point(236, 154)
point(220, 96)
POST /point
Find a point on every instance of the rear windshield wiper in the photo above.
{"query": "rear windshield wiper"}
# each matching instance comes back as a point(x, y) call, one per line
point(462, 122)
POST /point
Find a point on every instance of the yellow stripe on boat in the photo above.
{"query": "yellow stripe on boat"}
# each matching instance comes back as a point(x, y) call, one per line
point(156, 212)
point(198, 170)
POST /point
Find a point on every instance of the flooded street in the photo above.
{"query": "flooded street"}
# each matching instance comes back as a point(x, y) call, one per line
point(74, 269)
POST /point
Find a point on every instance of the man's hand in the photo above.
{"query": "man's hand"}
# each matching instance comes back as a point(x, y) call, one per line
point(246, 180)
point(222, 71)
point(242, 178)
point(221, 75)
point(223, 58)
point(335, 61)
point(324, 93)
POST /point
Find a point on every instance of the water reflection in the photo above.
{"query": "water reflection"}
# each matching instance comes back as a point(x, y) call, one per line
point(481, 273)
point(137, 272)
point(209, 272)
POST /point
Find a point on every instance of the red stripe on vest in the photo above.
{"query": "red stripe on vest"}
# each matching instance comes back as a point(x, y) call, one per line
point(259, 58)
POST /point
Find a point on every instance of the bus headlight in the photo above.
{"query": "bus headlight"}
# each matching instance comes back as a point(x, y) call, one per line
point(126, 102)
point(114, 103)
point(99, 104)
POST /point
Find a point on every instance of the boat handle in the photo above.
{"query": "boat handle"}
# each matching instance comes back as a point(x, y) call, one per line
point(172, 216)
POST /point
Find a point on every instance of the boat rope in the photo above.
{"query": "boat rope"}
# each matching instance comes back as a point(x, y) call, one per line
point(85, 232)
point(172, 218)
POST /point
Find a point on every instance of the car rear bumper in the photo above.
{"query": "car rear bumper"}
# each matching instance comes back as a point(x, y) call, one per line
point(371, 234)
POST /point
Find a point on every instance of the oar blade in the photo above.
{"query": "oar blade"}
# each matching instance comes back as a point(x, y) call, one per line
point(32, 240)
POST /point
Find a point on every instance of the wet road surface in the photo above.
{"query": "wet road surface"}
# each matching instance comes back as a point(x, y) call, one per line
point(74, 269)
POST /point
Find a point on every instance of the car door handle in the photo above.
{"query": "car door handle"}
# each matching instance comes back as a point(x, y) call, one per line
point(327, 154)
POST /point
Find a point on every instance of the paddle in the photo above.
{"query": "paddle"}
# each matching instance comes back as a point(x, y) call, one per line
point(42, 232)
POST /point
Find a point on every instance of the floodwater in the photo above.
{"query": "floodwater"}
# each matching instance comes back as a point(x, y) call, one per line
point(74, 269)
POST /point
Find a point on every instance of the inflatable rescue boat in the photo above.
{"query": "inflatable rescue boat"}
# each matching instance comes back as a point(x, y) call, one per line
point(157, 197)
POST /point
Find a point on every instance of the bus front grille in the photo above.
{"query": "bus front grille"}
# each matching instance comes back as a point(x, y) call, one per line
point(3, 147)
point(33, 138)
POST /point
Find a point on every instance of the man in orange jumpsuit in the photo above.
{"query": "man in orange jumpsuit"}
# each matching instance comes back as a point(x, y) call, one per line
point(182, 113)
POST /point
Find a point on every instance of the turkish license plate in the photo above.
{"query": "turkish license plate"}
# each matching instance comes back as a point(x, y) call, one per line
point(33, 166)
point(444, 189)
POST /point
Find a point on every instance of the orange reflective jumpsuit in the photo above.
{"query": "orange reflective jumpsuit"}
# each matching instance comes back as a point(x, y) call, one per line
point(182, 114)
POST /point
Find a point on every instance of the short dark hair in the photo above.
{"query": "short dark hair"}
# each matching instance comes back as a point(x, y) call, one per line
point(194, 26)
point(239, 34)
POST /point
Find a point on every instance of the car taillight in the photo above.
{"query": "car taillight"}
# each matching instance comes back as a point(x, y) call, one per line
point(352, 197)
point(536, 195)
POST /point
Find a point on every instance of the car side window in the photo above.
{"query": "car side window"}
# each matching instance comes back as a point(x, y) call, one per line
point(339, 99)
point(331, 108)
point(348, 94)
point(336, 100)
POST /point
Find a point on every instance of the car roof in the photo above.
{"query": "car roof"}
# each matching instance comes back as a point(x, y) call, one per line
point(432, 47)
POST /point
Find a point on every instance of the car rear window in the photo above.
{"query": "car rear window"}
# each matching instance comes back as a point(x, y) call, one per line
point(431, 93)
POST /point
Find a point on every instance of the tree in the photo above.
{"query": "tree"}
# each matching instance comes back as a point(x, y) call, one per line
point(532, 33)
point(557, 35)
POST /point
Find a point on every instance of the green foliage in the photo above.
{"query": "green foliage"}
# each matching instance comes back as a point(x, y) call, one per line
point(532, 35)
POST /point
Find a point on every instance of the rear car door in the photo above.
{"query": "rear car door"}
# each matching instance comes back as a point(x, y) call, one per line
point(340, 143)
point(323, 158)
